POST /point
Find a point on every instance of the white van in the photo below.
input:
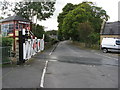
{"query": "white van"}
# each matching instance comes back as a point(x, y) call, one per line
point(110, 44)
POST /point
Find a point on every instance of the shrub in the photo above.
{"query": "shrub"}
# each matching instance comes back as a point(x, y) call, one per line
point(7, 41)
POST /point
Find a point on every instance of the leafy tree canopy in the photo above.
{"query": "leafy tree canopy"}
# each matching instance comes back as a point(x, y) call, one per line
point(85, 12)
point(42, 10)
point(38, 31)
point(61, 17)
point(52, 32)
point(1, 18)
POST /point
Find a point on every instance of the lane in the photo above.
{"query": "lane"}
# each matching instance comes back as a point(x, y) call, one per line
point(24, 76)
point(28, 75)
point(70, 67)
point(68, 53)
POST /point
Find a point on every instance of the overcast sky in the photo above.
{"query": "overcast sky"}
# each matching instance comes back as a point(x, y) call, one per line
point(111, 7)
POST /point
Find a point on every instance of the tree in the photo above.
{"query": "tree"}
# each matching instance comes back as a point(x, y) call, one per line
point(84, 32)
point(42, 10)
point(84, 12)
point(39, 31)
point(52, 32)
point(1, 18)
point(5, 7)
point(61, 16)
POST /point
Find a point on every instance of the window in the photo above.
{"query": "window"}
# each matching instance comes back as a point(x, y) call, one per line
point(17, 26)
point(117, 42)
point(11, 27)
point(20, 26)
point(6, 29)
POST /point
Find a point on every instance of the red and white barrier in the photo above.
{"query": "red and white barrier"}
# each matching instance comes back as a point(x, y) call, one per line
point(31, 46)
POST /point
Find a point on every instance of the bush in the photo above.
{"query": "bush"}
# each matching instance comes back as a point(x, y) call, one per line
point(53, 41)
point(7, 41)
point(0, 41)
point(94, 38)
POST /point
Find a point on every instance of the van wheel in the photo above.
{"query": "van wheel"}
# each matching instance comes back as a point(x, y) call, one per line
point(105, 50)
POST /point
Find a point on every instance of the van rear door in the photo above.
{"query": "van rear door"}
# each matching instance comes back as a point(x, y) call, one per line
point(118, 44)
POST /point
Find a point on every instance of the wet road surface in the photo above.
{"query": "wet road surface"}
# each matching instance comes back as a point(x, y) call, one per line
point(68, 67)
point(71, 67)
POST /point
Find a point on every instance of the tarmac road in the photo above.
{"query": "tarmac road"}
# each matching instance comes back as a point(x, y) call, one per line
point(68, 67)
point(71, 67)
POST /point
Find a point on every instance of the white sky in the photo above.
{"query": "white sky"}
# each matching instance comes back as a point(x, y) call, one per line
point(111, 7)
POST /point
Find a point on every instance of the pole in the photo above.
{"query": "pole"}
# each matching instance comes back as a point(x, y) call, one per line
point(21, 40)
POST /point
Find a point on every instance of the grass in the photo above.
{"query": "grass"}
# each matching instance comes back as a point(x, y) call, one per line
point(48, 45)
point(8, 65)
point(83, 46)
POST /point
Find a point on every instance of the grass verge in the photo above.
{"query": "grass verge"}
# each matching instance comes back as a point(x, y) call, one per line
point(84, 46)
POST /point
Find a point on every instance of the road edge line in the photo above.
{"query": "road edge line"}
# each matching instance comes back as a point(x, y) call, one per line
point(43, 75)
point(53, 49)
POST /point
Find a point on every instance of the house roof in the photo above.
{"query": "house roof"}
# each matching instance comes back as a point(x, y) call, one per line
point(111, 28)
point(15, 17)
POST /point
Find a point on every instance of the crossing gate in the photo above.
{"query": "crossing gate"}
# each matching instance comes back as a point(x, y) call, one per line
point(29, 45)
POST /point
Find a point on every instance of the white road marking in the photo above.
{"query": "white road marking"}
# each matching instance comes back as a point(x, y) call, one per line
point(106, 56)
point(44, 70)
point(53, 60)
point(51, 51)
point(43, 75)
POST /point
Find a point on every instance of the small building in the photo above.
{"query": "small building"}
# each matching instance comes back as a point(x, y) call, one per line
point(110, 30)
point(10, 27)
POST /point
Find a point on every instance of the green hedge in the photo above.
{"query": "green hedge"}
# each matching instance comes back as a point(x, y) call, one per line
point(6, 49)
point(6, 55)
point(6, 41)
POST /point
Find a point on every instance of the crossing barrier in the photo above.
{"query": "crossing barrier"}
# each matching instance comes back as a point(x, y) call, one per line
point(29, 45)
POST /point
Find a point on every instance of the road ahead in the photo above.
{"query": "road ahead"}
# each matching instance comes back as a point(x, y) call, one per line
point(68, 67)
point(71, 67)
